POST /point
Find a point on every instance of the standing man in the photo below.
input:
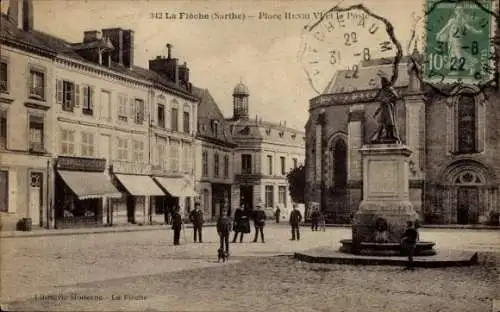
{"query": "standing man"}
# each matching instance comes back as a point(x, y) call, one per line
point(176, 224)
point(295, 219)
point(223, 229)
point(315, 219)
point(259, 221)
point(196, 218)
point(277, 214)
point(409, 243)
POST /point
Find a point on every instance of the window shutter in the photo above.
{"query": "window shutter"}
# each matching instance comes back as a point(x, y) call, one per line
point(480, 125)
point(132, 109)
point(59, 91)
point(91, 100)
point(76, 95)
point(85, 91)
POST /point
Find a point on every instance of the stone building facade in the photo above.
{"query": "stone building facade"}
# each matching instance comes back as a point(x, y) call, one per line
point(454, 168)
point(216, 171)
point(265, 153)
point(86, 136)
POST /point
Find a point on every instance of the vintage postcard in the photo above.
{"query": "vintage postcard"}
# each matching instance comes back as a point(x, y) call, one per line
point(230, 155)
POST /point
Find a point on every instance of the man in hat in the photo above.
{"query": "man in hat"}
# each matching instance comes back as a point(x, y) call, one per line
point(223, 229)
point(176, 224)
point(196, 218)
point(259, 221)
point(295, 219)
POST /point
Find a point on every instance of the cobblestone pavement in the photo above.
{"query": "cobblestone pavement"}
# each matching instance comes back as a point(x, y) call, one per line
point(187, 277)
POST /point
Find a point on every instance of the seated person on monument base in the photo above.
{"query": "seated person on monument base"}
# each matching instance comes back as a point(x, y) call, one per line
point(387, 132)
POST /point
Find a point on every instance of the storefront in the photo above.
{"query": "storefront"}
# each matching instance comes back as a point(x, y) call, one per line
point(81, 191)
point(140, 192)
point(181, 193)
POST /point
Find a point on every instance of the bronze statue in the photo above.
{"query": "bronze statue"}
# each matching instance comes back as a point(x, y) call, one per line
point(387, 129)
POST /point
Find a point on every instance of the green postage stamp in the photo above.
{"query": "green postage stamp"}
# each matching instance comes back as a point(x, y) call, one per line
point(458, 46)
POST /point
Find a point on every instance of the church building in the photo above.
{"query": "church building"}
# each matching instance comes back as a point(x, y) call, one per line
point(454, 168)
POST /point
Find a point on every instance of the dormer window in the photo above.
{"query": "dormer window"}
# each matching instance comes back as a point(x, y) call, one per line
point(282, 133)
point(293, 136)
point(268, 131)
point(215, 127)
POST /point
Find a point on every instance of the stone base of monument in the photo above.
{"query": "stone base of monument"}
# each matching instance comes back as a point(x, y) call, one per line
point(381, 219)
point(385, 249)
point(443, 258)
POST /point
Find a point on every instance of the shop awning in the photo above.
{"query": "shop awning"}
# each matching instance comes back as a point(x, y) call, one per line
point(89, 184)
point(140, 185)
point(177, 187)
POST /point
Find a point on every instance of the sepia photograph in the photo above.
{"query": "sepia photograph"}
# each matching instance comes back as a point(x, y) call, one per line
point(239, 155)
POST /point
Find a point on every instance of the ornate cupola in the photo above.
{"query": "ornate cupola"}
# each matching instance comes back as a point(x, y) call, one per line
point(240, 101)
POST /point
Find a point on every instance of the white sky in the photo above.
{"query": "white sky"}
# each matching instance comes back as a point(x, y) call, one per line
point(220, 53)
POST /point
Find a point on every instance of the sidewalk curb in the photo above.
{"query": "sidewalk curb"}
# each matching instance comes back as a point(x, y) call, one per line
point(100, 230)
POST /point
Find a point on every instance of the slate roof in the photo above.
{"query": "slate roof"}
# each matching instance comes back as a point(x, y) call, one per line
point(208, 112)
point(265, 131)
point(367, 78)
point(58, 46)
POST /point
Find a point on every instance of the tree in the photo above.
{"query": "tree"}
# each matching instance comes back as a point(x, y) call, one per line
point(297, 184)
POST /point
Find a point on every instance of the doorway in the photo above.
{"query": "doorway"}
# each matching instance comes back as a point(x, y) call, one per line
point(131, 209)
point(36, 198)
point(467, 205)
point(246, 196)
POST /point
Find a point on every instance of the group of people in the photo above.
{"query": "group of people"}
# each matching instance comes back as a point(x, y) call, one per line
point(240, 226)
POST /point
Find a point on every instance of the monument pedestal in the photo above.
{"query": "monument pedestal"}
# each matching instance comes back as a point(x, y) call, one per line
point(381, 219)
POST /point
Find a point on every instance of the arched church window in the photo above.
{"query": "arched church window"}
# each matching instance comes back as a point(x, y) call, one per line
point(469, 177)
point(466, 130)
point(339, 164)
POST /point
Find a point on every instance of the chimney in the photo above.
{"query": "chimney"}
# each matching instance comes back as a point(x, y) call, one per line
point(91, 35)
point(123, 41)
point(20, 12)
point(184, 73)
point(167, 67)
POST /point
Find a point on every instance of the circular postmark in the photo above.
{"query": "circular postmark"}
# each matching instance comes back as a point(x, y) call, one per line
point(459, 45)
point(341, 40)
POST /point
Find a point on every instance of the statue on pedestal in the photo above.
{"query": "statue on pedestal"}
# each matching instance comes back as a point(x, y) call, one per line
point(387, 129)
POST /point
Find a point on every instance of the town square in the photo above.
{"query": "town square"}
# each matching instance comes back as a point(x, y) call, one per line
point(250, 155)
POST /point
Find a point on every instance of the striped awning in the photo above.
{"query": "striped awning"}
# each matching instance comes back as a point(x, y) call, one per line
point(87, 185)
point(139, 185)
point(177, 187)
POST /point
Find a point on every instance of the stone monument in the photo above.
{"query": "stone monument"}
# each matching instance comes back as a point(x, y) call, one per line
point(381, 219)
